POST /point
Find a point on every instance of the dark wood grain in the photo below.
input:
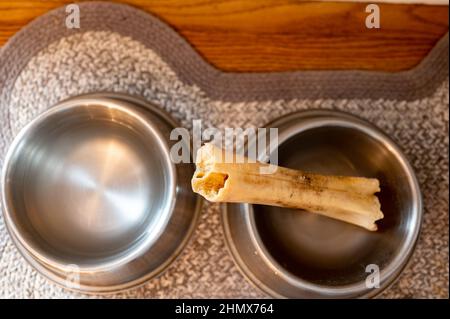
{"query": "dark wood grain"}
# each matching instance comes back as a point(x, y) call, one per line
point(277, 35)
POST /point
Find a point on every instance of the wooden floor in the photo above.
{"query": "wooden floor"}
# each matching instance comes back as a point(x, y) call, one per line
point(275, 35)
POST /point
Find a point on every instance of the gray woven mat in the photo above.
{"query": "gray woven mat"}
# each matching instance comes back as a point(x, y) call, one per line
point(121, 49)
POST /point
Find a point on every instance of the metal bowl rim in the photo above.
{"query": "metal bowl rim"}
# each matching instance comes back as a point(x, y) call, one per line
point(105, 290)
point(387, 274)
point(74, 104)
point(137, 103)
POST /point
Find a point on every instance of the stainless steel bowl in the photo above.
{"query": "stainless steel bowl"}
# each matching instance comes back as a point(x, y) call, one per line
point(290, 253)
point(89, 192)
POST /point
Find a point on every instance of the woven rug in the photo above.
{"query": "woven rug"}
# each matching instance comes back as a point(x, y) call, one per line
point(121, 49)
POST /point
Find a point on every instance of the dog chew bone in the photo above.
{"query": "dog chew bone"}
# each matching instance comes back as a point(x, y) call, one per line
point(349, 199)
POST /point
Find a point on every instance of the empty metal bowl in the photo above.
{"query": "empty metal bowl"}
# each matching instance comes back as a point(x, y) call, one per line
point(89, 192)
point(297, 254)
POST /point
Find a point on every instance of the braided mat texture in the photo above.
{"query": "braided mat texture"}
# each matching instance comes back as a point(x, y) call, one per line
point(46, 63)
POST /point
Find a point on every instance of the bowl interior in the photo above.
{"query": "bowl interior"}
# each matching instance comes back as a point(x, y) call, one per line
point(89, 185)
point(328, 252)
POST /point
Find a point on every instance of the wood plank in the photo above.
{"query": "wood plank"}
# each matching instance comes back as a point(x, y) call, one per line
point(280, 35)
